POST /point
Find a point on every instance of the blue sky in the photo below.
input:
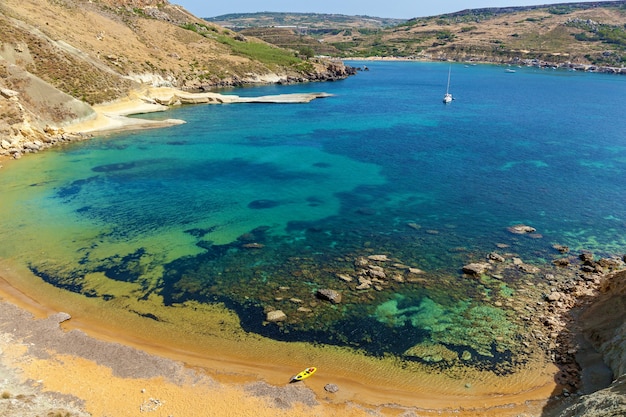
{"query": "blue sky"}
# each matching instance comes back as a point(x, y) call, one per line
point(404, 9)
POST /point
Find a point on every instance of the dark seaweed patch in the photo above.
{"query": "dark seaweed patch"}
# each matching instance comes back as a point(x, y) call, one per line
point(200, 232)
point(72, 283)
point(124, 166)
point(263, 204)
point(74, 187)
point(124, 268)
point(322, 165)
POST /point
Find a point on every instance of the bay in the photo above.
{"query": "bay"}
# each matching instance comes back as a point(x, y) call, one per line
point(258, 206)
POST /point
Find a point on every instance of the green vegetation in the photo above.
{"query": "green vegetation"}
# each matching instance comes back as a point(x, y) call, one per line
point(267, 54)
point(537, 32)
point(199, 28)
point(594, 32)
point(445, 35)
point(610, 35)
point(307, 52)
point(561, 9)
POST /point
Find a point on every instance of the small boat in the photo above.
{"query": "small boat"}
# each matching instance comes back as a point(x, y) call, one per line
point(447, 98)
point(509, 70)
point(303, 375)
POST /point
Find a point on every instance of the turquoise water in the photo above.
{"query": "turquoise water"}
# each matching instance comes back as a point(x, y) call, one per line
point(258, 206)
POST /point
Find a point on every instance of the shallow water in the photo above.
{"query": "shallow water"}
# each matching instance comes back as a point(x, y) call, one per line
point(258, 206)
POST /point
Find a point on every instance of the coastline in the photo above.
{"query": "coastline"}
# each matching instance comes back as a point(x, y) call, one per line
point(186, 382)
point(112, 117)
point(83, 357)
point(534, 63)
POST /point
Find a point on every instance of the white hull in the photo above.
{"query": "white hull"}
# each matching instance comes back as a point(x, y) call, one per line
point(447, 98)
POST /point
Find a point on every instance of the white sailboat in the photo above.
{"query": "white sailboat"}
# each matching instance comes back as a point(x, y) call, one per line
point(447, 98)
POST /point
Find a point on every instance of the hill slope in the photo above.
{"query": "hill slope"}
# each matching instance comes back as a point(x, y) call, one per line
point(584, 33)
point(82, 51)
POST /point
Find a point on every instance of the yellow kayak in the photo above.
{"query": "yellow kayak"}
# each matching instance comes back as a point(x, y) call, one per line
point(304, 374)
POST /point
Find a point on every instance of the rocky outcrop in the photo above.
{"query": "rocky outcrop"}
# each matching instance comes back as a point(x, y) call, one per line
point(520, 229)
point(603, 324)
point(609, 402)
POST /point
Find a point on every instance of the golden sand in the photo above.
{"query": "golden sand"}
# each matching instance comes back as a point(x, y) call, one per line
point(227, 361)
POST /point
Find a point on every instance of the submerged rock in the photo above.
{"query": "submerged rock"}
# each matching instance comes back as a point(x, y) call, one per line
point(561, 248)
point(493, 256)
point(476, 269)
point(329, 295)
point(521, 229)
point(432, 352)
point(276, 316)
point(344, 277)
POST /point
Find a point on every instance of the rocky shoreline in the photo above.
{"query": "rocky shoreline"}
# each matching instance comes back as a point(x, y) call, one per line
point(548, 302)
point(105, 118)
point(515, 61)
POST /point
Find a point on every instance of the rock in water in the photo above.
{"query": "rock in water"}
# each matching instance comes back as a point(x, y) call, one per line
point(276, 316)
point(476, 269)
point(329, 295)
point(520, 229)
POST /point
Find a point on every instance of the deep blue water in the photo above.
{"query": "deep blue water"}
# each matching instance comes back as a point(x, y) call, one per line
point(381, 167)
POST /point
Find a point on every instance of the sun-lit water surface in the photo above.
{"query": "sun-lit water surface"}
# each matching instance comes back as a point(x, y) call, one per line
point(259, 206)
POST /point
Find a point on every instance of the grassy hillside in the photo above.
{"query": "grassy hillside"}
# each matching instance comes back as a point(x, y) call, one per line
point(585, 33)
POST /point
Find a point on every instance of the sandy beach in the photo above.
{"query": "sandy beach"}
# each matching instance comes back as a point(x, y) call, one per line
point(64, 359)
point(61, 353)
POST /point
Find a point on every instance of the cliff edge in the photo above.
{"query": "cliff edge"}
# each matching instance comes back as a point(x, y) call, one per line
point(603, 325)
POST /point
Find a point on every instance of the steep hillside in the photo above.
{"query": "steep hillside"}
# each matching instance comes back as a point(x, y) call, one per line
point(86, 51)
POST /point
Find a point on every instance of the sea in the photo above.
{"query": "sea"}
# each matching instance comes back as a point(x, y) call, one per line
point(379, 192)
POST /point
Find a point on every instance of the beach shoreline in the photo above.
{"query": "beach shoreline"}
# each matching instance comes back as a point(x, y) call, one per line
point(92, 351)
point(42, 344)
point(112, 117)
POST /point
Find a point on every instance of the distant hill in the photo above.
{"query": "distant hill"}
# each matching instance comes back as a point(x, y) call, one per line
point(312, 21)
point(584, 33)
point(301, 31)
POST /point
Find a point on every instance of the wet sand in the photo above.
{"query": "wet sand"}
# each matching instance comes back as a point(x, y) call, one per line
point(115, 362)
